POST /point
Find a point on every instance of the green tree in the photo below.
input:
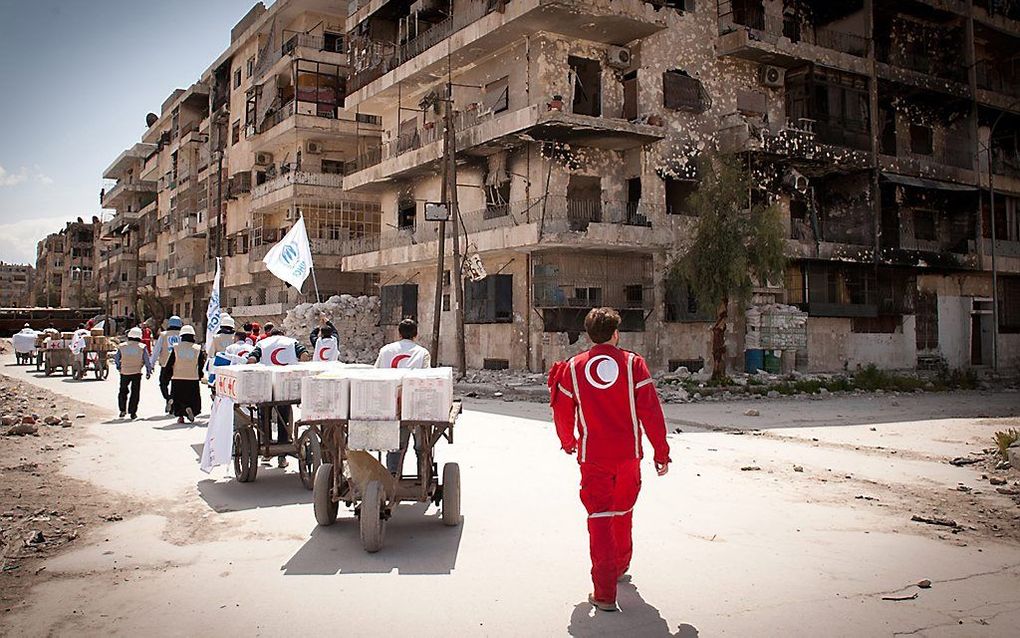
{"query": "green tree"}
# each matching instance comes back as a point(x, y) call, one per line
point(734, 244)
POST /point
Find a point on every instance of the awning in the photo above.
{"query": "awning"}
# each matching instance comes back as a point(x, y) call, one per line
point(920, 182)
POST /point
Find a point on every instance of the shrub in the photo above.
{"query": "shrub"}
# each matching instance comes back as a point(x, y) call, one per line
point(1003, 440)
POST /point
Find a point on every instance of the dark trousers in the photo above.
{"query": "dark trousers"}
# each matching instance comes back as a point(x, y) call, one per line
point(164, 382)
point(132, 382)
point(283, 413)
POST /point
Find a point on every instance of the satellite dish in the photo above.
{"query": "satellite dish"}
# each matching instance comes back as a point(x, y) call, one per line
point(151, 119)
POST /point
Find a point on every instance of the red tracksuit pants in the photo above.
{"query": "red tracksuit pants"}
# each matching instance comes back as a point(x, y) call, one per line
point(609, 492)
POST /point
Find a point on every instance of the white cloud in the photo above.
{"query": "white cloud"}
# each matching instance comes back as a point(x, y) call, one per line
point(18, 239)
point(8, 179)
point(12, 179)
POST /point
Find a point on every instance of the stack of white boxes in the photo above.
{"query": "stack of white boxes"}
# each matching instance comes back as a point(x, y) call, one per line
point(427, 395)
point(287, 380)
point(375, 410)
point(245, 384)
point(326, 396)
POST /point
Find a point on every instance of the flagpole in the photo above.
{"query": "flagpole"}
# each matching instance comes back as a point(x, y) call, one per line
point(311, 266)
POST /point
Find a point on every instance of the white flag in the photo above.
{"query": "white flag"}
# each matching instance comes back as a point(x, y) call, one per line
point(219, 435)
point(212, 314)
point(291, 259)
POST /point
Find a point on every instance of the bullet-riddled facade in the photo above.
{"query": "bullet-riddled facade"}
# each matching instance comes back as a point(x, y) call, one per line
point(229, 164)
point(577, 124)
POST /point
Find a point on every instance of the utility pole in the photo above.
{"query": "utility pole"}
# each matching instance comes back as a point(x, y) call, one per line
point(437, 317)
point(457, 272)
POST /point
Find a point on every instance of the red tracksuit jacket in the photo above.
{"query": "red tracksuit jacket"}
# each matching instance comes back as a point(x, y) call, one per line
point(600, 401)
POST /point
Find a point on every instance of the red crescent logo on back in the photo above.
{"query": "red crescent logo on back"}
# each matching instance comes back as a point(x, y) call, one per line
point(602, 372)
point(274, 360)
point(400, 358)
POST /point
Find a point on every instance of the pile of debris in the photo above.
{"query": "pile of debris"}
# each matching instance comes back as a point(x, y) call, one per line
point(356, 320)
point(23, 410)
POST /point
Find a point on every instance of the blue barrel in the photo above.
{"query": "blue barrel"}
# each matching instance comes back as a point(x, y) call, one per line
point(754, 360)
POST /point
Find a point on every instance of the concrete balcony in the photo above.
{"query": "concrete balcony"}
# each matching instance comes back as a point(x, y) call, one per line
point(286, 187)
point(476, 134)
point(130, 158)
point(298, 46)
point(527, 225)
point(297, 122)
point(768, 39)
point(379, 68)
point(120, 193)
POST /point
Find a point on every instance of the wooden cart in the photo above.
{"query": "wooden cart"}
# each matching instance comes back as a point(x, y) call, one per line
point(95, 357)
point(57, 358)
point(374, 494)
point(253, 435)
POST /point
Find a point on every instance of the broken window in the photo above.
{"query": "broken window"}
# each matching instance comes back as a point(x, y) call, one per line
point(678, 193)
point(237, 78)
point(634, 294)
point(407, 212)
point(586, 78)
point(235, 132)
point(682, 306)
point(630, 96)
point(927, 320)
point(408, 137)
point(925, 227)
point(320, 85)
point(882, 324)
point(681, 92)
point(397, 303)
point(921, 140)
point(837, 101)
point(489, 300)
point(584, 201)
point(333, 167)
point(497, 95)
point(333, 42)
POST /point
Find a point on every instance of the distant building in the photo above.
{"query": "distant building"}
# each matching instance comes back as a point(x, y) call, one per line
point(66, 265)
point(16, 285)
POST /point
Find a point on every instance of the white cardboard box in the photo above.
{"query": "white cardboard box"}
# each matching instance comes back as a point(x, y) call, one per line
point(325, 396)
point(383, 436)
point(427, 395)
point(375, 394)
point(245, 384)
point(287, 381)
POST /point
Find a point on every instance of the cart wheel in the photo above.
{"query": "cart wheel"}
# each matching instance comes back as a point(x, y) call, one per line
point(451, 495)
point(246, 466)
point(373, 527)
point(309, 455)
point(322, 500)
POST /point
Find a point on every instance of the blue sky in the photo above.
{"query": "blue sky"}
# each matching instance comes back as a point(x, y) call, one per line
point(77, 78)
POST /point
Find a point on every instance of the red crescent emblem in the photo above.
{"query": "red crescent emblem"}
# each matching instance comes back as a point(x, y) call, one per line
point(602, 372)
point(320, 354)
point(272, 357)
point(400, 358)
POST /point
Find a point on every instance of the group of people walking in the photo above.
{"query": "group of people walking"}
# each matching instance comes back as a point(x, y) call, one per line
point(601, 400)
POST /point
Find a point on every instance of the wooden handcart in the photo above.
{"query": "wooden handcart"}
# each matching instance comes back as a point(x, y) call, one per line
point(95, 357)
point(253, 435)
point(371, 490)
point(54, 358)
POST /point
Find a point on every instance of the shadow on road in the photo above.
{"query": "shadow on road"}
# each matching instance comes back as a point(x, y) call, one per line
point(272, 488)
point(415, 544)
point(635, 618)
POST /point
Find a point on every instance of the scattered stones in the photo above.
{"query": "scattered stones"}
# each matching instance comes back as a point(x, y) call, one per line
point(28, 420)
point(51, 420)
point(773, 394)
point(8, 419)
point(752, 412)
point(24, 429)
point(80, 415)
point(35, 538)
point(995, 480)
point(798, 468)
point(964, 460)
point(924, 583)
point(750, 468)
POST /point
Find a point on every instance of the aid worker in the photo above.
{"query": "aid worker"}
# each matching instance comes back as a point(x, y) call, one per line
point(280, 350)
point(327, 346)
point(224, 338)
point(601, 401)
point(404, 353)
point(161, 353)
point(130, 359)
point(187, 359)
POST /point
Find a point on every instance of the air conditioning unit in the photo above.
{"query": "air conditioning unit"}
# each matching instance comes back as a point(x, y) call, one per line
point(263, 159)
point(618, 57)
point(313, 148)
point(771, 76)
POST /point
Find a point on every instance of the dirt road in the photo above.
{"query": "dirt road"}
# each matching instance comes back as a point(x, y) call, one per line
point(805, 541)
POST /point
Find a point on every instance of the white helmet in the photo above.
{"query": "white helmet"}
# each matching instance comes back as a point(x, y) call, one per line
point(188, 330)
point(227, 322)
point(135, 333)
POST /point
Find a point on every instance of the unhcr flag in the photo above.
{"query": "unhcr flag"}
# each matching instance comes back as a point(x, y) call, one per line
point(291, 259)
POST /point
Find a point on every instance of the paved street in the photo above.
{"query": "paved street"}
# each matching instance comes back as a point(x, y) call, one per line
point(719, 551)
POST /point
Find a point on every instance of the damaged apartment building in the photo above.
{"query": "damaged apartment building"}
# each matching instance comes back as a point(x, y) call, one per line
point(66, 264)
point(875, 126)
point(228, 165)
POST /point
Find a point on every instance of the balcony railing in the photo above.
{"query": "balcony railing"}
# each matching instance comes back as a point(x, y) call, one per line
point(755, 19)
point(298, 178)
point(1006, 162)
point(897, 54)
point(960, 154)
point(379, 58)
point(292, 41)
point(991, 77)
point(581, 213)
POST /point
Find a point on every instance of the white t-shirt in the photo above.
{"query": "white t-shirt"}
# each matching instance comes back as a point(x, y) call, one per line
point(278, 351)
point(404, 354)
point(326, 350)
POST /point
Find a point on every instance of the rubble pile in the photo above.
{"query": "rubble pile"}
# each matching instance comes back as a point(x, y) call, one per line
point(356, 320)
point(24, 410)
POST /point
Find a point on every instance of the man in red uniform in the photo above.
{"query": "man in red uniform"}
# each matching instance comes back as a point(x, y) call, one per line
point(600, 400)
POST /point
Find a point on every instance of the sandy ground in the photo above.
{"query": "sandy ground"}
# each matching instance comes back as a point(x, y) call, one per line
point(719, 551)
